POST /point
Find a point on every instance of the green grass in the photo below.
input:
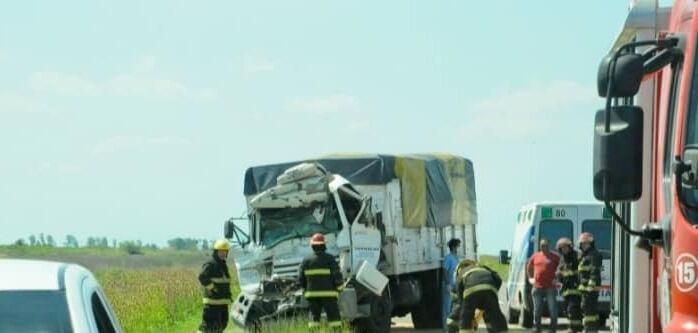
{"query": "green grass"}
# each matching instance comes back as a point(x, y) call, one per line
point(493, 263)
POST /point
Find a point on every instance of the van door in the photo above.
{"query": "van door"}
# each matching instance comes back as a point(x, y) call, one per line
point(553, 224)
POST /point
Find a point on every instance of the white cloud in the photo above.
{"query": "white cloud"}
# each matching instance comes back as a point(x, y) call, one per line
point(522, 113)
point(131, 85)
point(138, 143)
point(332, 104)
point(16, 103)
point(145, 64)
point(63, 83)
point(255, 64)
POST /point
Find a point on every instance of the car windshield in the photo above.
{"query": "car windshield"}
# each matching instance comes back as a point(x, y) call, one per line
point(283, 223)
point(44, 311)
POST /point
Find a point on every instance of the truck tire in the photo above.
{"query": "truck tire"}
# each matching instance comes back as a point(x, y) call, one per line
point(381, 313)
point(427, 314)
point(513, 316)
point(526, 318)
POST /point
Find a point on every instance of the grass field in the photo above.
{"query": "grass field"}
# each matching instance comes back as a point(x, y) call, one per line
point(157, 291)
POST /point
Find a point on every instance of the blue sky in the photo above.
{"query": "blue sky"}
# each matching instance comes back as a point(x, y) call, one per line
point(137, 120)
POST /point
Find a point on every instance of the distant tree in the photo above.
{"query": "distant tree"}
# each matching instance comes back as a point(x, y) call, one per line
point(131, 247)
point(32, 240)
point(104, 242)
point(113, 243)
point(71, 241)
point(183, 243)
point(91, 242)
point(50, 241)
point(20, 242)
point(204, 245)
point(42, 239)
point(151, 246)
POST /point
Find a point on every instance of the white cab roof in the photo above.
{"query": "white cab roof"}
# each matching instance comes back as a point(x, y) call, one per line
point(31, 274)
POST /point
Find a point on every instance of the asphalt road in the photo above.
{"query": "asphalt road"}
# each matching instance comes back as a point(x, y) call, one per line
point(404, 324)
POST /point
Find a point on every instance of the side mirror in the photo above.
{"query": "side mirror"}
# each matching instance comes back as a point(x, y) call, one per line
point(627, 75)
point(504, 257)
point(690, 159)
point(229, 229)
point(618, 154)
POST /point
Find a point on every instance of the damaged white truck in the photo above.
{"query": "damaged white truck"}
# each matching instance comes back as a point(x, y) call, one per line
point(386, 219)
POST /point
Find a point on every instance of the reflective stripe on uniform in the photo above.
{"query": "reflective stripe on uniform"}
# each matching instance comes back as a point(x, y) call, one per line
point(570, 292)
point(591, 319)
point(209, 286)
point(335, 323)
point(462, 330)
point(575, 322)
point(210, 301)
point(220, 280)
point(585, 268)
point(313, 324)
point(567, 273)
point(317, 271)
point(479, 287)
point(320, 293)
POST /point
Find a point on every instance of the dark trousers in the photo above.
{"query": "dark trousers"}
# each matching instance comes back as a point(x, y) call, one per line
point(329, 305)
point(590, 306)
point(485, 300)
point(574, 312)
point(215, 318)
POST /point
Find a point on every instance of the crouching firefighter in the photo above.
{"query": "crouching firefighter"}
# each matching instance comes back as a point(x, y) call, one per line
point(589, 271)
point(567, 275)
point(476, 288)
point(321, 280)
point(215, 279)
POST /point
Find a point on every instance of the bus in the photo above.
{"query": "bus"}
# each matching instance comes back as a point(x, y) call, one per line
point(552, 221)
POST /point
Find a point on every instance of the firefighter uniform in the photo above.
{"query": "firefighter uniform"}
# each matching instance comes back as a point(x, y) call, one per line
point(476, 288)
point(215, 282)
point(567, 275)
point(589, 282)
point(321, 280)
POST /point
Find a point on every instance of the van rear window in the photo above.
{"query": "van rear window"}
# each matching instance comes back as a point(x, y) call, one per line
point(552, 230)
point(601, 229)
point(34, 311)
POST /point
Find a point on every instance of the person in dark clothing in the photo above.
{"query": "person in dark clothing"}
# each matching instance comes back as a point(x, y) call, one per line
point(476, 288)
point(321, 281)
point(568, 277)
point(589, 271)
point(215, 280)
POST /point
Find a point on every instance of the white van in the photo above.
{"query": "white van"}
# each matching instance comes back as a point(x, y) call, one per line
point(553, 220)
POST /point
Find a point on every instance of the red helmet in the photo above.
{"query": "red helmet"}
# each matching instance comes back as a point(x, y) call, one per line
point(317, 239)
point(586, 237)
point(562, 242)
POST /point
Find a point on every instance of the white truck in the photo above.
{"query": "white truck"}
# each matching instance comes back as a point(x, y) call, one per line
point(389, 213)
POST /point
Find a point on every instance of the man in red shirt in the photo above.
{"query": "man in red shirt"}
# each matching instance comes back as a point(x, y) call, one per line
point(541, 269)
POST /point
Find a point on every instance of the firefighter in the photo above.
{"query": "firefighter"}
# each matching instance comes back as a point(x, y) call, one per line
point(321, 280)
point(215, 279)
point(476, 288)
point(567, 275)
point(589, 271)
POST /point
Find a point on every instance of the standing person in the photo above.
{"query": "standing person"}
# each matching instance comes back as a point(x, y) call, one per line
point(215, 279)
point(568, 277)
point(449, 283)
point(476, 288)
point(320, 279)
point(589, 281)
point(542, 267)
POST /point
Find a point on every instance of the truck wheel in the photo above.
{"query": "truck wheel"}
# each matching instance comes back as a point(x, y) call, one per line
point(380, 318)
point(526, 318)
point(513, 316)
point(427, 313)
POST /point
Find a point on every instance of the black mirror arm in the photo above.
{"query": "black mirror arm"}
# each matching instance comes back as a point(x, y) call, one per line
point(681, 167)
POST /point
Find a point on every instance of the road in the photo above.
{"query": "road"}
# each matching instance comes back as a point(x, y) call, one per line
point(404, 324)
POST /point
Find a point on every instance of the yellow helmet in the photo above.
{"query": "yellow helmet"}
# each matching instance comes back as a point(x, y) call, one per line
point(221, 245)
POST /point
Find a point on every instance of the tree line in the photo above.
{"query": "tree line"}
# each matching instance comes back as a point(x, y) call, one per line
point(131, 246)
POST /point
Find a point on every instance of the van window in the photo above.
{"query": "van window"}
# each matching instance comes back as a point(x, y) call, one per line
point(601, 229)
point(34, 311)
point(552, 230)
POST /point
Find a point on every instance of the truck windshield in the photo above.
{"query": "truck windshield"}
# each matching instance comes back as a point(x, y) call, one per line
point(601, 229)
point(279, 224)
point(34, 311)
point(552, 230)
